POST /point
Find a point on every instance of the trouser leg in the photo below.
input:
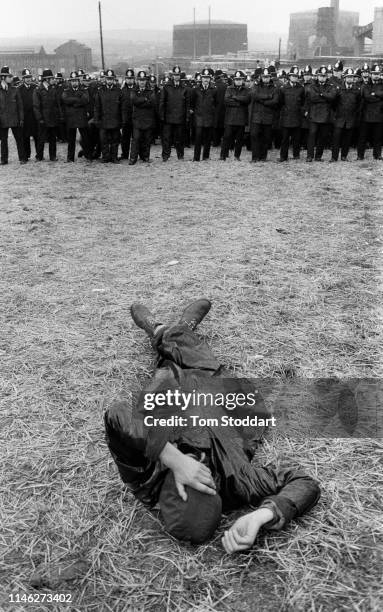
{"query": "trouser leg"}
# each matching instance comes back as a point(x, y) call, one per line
point(227, 137)
point(179, 132)
point(336, 142)
point(197, 143)
point(52, 141)
point(134, 147)
point(4, 145)
point(376, 130)
point(71, 137)
point(346, 141)
point(256, 132)
point(267, 131)
point(166, 140)
point(284, 152)
point(206, 138)
point(322, 139)
point(239, 136)
point(311, 139)
point(26, 144)
point(181, 345)
point(296, 141)
point(18, 136)
point(126, 136)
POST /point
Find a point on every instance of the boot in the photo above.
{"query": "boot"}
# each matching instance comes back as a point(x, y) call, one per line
point(144, 319)
point(195, 312)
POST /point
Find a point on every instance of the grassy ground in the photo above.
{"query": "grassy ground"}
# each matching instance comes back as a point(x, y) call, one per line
point(79, 244)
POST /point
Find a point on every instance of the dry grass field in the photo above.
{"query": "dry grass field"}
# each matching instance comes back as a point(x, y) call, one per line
point(79, 244)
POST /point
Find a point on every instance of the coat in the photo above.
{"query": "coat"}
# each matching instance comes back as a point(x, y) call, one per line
point(348, 105)
point(264, 102)
point(372, 102)
point(46, 106)
point(204, 105)
point(319, 102)
point(108, 108)
point(292, 99)
point(220, 110)
point(30, 123)
point(236, 103)
point(144, 109)
point(11, 107)
point(75, 104)
point(127, 94)
point(175, 104)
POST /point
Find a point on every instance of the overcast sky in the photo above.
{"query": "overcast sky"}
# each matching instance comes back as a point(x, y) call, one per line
point(31, 17)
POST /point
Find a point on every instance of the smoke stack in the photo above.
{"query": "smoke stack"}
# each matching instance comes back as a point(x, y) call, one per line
point(335, 6)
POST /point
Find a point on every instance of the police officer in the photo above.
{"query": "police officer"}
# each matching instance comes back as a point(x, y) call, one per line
point(320, 97)
point(60, 86)
point(156, 132)
point(237, 98)
point(347, 113)
point(75, 101)
point(108, 117)
point(127, 93)
point(292, 99)
point(48, 113)
point(372, 115)
point(203, 107)
point(30, 128)
point(11, 115)
point(144, 119)
point(174, 113)
point(264, 101)
point(307, 80)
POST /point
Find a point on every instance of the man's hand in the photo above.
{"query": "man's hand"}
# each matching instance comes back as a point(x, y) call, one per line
point(243, 532)
point(187, 471)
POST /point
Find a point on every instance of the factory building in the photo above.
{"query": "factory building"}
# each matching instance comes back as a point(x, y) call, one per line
point(209, 38)
point(325, 31)
point(71, 55)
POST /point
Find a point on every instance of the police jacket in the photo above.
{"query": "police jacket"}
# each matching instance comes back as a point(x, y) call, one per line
point(204, 104)
point(26, 93)
point(348, 104)
point(220, 110)
point(372, 102)
point(264, 102)
point(175, 104)
point(319, 101)
point(11, 107)
point(144, 108)
point(292, 99)
point(236, 102)
point(108, 108)
point(46, 105)
point(75, 104)
point(127, 94)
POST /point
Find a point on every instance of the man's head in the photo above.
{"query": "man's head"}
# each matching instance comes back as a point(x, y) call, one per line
point(47, 76)
point(265, 76)
point(322, 75)
point(349, 77)
point(239, 78)
point(194, 520)
point(141, 79)
point(27, 76)
point(294, 75)
point(176, 74)
point(375, 73)
point(74, 80)
point(129, 77)
point(205, 77)
point(110, 77)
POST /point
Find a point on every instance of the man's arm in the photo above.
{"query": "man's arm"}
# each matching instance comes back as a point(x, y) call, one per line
point(187, 471)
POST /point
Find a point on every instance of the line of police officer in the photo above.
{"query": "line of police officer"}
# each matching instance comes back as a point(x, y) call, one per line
point(308, 109)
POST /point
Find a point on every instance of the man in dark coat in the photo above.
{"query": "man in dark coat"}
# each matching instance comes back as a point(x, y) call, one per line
point(203, 107)
point(144, 119)
point(11, 115)
point(264, 101)
point(292, 99)
point(237, 98)
point(48, 113)
point(372, 115)
point(320, 98)
point(60, 86)
point(196, 468)
point(108, 117)
point(174, 113)
point(30, 128)
point(75, 100)
point(127, 93)
point(347, 114)
point(307, 80)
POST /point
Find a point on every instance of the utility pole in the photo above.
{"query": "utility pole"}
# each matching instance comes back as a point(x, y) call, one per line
point(209, 33)
point(279, 49)
point(101, 39)
point(194, 37)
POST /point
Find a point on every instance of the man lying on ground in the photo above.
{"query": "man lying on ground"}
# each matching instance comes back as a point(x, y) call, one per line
point(193, 470)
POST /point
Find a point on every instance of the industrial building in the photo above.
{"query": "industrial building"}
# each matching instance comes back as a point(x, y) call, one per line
point(206, 38)
point(326, 31)
point(71, 55)
point(373, 32)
